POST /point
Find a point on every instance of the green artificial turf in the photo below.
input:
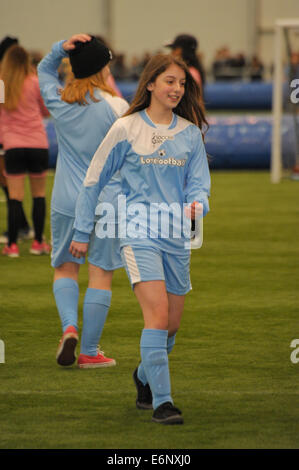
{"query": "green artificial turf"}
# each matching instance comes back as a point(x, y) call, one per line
point(231, 371)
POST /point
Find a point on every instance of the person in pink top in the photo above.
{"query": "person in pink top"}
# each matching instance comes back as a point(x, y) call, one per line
point(25, 143)
point(25, 232)
point(185, 47)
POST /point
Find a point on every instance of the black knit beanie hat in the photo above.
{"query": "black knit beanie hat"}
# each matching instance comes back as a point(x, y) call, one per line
point(5, 44)
point(89, 57)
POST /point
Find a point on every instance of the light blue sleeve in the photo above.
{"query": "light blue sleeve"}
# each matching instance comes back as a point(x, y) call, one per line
point(49, 82)
point(198, 181)
point(107, 160)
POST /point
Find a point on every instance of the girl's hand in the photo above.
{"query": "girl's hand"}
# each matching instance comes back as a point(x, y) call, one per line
point(70, 43)
point(78, 249)
point(194, 211)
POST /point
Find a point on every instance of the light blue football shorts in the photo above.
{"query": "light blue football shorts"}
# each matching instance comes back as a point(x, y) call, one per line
point(102, 252)
point(148, 263)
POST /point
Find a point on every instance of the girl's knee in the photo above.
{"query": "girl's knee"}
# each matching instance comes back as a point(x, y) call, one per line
point(156, 318)
point(68, 269)
point(99, 278)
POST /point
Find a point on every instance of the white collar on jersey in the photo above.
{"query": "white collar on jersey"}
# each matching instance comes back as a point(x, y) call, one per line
point(148, 120)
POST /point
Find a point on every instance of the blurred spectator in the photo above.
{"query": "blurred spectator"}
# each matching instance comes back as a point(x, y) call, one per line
point(185, 46)
point(135, 68)
point(238, 64)
point(227, 66)
point(146, 57)
point(256, 69)
point(293, 68)
point(36, 57)
point(118, 67)
point(221, 63)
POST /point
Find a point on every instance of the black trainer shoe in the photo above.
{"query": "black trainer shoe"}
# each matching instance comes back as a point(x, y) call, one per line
point(167, 414)
point(144, 395)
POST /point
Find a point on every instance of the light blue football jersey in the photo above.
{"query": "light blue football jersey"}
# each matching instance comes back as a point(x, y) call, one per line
point(161, 167)
point(79, 129)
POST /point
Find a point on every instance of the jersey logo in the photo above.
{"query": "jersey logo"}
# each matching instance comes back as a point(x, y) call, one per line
point(163, 161)
point(159, 139)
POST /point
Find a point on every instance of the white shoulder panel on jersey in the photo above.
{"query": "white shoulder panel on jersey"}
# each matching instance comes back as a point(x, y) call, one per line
point(182, 123)
point(146, 139)
point(115, 135)
point(118, 104)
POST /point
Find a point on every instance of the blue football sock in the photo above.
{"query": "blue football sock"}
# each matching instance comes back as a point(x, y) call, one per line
point(170, 343)
point(95, 310)
point(153, 348)
point(141, 373)
point(66, 293)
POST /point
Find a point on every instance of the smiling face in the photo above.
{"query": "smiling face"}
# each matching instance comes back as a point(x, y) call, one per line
point(168, 88)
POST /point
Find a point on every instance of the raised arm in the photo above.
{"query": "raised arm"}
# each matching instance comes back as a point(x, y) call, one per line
point(47, 70)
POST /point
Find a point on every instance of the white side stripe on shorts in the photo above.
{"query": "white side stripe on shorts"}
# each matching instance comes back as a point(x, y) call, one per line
point(132, 265)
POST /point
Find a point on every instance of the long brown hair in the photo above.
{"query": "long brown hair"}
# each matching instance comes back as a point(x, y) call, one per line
point(76, 89)
point(15, 67)
point(191, 106)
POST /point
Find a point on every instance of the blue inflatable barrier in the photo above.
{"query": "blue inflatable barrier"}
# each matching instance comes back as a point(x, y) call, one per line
point(245, 143)
point(227, 95)
point(232, 142)
point(239, 142)
point(224, 95)
point(238, 95)
point(127, 89)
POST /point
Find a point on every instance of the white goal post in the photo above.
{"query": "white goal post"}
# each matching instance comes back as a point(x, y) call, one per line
point(277, 97)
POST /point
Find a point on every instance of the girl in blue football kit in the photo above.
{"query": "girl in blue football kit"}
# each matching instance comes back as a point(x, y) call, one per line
point(158, 149)
point(83, 110)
